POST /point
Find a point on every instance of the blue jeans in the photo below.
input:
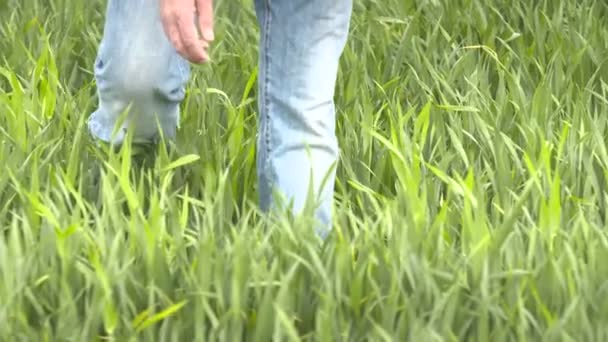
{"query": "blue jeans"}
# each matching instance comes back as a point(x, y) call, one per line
point(138, 73)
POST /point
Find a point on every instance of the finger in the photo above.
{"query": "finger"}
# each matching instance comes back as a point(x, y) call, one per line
point(205, 19)
point(169, 21)
point(176, 29)
point(174, 37)
point(193, 47)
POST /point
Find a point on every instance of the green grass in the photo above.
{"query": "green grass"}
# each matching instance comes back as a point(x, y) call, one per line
point(470, 199)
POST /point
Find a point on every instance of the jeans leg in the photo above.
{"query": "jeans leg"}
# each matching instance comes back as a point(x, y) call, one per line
point(300, 46)
point(137, 70)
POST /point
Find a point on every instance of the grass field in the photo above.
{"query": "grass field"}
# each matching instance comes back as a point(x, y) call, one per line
point(470, 199)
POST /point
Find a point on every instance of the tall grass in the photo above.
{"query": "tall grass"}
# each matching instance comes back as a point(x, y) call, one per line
point(470, 200)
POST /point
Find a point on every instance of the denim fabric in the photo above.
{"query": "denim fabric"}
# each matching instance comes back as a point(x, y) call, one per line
point(300, 46)
point(138, 72)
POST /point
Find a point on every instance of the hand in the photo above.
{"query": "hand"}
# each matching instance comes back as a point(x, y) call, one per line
point(178, 16)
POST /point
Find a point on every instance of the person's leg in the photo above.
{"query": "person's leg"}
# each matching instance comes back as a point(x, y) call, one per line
point(300, 47)
point(138, 70)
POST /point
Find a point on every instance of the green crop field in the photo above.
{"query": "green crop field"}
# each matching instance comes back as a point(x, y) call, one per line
point(471, 198)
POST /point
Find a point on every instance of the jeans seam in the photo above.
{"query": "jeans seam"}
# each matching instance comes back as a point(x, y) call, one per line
point(266, 102)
